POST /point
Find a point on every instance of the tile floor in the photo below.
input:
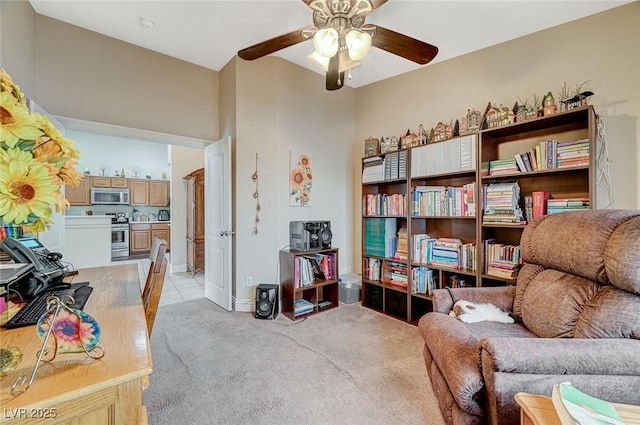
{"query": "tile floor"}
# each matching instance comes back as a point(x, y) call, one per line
point(177, 287)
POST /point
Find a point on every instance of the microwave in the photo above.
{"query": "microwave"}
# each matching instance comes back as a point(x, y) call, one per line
point(109, 196)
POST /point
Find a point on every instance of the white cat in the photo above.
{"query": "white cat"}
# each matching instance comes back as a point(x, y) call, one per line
point(469, 312)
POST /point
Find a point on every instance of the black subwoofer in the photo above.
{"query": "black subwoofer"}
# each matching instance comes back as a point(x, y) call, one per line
point(266, 301)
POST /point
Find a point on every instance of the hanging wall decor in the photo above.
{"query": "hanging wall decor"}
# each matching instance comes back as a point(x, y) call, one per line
point(300, 180)
point(256, 196)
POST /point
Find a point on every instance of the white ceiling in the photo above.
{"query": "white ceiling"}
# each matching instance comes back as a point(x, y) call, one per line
point(210, 32)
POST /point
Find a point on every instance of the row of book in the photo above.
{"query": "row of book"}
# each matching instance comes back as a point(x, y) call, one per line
point(444, 252)
point(372, 268)
point(308, 268)
point(502, 204)
point(423, 280)
point(383, 204)
point(396, 274)
point(501, 260)
point(391, 166)
point(450, 156)
point(546, 155)
point(457, 201)
point(381, 238)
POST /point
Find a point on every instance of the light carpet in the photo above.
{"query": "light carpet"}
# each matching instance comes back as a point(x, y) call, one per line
point(348, 365)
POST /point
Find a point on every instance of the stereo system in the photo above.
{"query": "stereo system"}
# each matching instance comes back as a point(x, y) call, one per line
point(309, 235)
point(266, 301)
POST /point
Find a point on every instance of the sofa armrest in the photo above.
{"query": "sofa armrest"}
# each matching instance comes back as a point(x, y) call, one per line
point(564, 356)
point(502, 296)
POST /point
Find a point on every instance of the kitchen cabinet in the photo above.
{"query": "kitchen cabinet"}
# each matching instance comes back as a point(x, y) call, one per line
point(79, 195)
point(149, 192)
point(159, 193)
point(139, 238)
point(141, 235)
point(109, 182)
point(195, 220)
point(139, 192)
point(162, 231)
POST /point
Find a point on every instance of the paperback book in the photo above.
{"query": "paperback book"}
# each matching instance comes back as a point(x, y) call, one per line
point(575, 407)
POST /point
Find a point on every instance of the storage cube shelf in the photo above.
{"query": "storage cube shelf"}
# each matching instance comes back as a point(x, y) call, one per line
point(443, 200)
point(296, 284)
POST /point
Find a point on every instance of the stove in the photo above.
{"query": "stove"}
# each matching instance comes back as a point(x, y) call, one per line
point(119, 234)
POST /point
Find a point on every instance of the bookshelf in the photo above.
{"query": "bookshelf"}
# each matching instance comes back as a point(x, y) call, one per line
point(572, 181)
point(297, 284)
point(444, 196)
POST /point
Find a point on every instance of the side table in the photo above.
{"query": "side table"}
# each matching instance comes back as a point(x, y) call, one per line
point(538, 410)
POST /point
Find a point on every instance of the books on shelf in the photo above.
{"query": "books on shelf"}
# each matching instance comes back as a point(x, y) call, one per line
point(555, 206)
point(551, 154)
point(444, 252)
point(501, 260)
point(450, 156)
point(445, 200)
point(384, 204)
point(575, 407)
point(372, 268)
point(396, 274)
point(423, 280)
point(380, 237)
point(302, 306)
point(501, 204)
point(539, 203)
point(403, 244)
point(308, 268)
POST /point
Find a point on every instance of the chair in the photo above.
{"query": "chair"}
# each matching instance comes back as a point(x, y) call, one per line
point(155, 281)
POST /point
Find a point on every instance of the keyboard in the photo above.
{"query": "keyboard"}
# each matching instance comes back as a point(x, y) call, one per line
point(37, 306)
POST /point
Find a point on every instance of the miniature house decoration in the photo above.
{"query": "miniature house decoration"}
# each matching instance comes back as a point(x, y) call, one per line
point(548, 105)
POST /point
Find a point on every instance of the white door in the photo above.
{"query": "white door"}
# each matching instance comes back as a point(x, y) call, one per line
point(218, 239)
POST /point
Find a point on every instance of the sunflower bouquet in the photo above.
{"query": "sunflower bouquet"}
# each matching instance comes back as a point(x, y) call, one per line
point(36, 160)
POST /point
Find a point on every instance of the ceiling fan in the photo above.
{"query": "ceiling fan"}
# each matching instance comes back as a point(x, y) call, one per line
point(341, 38)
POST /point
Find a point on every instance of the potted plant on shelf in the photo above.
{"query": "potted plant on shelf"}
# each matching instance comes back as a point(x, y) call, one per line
point(36, 160)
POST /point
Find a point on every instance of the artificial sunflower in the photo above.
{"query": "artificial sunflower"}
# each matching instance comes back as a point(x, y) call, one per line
point(17, 122)
point(27, 190)
point(36, 160)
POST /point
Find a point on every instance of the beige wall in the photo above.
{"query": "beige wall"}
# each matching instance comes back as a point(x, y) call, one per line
point(18, 43)
point(281, 107)
point(86, 75)
point(603, 49)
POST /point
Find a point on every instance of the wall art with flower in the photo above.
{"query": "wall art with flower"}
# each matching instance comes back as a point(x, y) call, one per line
point(300, 180)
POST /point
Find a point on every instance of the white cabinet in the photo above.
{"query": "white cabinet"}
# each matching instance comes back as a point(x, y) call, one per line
point(87, 241)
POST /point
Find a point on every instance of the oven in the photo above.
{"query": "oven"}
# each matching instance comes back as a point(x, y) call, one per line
point(119, 240)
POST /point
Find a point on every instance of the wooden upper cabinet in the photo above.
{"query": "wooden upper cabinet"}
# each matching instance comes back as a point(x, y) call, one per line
point(139, 192)
point(101, 181)
point(119, 182)
point(80, 195)
point(159, 193)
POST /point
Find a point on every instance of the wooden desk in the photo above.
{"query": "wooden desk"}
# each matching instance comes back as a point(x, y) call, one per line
point(538, 410)
point(75, 389)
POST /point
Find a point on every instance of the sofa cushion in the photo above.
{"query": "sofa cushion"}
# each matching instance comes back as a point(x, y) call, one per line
point(553, 302)
point(525, 276)
point(611, 313)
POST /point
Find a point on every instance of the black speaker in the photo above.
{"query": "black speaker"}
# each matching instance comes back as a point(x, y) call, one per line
point(266, 301)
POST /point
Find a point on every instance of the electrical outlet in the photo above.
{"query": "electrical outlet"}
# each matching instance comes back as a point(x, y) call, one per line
point(248, 281)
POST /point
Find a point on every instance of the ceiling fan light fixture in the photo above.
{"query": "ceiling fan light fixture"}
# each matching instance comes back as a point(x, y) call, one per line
point(358, 44)
point(326, 42)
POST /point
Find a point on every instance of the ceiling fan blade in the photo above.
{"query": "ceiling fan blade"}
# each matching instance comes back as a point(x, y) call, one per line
point(335, 78)
point(404, 46)
point(272, 45)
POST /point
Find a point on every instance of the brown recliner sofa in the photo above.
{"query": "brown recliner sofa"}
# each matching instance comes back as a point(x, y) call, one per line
point(577, 301)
